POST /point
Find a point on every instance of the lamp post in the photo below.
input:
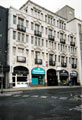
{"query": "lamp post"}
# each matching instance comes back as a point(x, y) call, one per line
point(2, 80)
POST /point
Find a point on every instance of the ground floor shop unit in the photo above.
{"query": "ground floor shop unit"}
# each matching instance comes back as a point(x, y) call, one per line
point(64, 77)
point(20, 76)
point(39, 76)
point(73, 78)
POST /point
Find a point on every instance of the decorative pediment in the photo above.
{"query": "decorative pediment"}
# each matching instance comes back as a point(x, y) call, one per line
point(73, 56)
point(61, 31)
point(71, 35)
point(21, 16)
point(37, 49)
point(50, 27)
point(51, 52)
point(63, 54)
point(37, 22)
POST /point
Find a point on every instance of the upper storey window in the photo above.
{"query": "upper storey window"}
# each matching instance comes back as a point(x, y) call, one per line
point(14, 19)
point(36, 27)
point(20, 21)
point(49, 19)
point(61, 24)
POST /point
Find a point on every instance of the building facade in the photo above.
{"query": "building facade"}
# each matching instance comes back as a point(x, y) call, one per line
point(41, 48)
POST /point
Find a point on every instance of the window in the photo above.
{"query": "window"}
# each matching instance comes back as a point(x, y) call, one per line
point(54, 21)
point(61, 36)
point(27, 9)
point(45, 18)
point(59, 58)
point(42, 42)
point(27, 22)
point(31, 25)
point(57, 34)
point(50, 32)
point(49, 20)
point(46, 31)
point(36, 27)
point(14, 35)
point(38, 15)
point(38, 41)
point(32, 39)
point(27, 38)
point(41, 16)
point(66, 59)
point(42, 29)
point(20, 21)
point(14, 19)
point(35, 41)
point(55, 58)
point(37, 55)
point(31, 11)
point(22, 37)
point(50, 57)
point(62, 59)
point(64, 26)
point(46, 43)
point(19, 36)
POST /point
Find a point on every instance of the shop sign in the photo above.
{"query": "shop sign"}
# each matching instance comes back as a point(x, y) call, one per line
point(63, 73)
point(74, 74)
point(38, 71)
point(21, 59)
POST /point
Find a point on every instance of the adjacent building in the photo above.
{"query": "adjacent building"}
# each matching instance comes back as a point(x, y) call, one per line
point(4, 68)
point(75, 26)
point(42, 49)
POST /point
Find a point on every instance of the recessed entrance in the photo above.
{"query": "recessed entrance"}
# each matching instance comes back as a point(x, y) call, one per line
point(73, 77)
point(64, 77)
point(52, 77)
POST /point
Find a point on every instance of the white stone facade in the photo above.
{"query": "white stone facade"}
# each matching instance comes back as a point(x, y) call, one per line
point(35, 33)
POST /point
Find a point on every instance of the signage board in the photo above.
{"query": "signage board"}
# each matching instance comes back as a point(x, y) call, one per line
point(38, 70)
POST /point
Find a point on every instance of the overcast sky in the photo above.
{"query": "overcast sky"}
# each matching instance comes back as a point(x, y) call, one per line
point(52, 5)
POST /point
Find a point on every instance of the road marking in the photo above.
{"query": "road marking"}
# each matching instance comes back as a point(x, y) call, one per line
point(77, 108)
point(72, 99)
point(16, 95)
point(25, 96)
point(54, 97)
point(43, 97)
point(63, 98)
point(8, 94)
point(35, 96)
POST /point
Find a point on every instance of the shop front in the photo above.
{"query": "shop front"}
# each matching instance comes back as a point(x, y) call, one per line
point(38, 76)
point(64, 77)
point(73, 77)
point(52, 78)
point(20, 76)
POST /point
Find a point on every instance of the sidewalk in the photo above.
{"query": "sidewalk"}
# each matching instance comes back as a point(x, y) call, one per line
point(38, 88)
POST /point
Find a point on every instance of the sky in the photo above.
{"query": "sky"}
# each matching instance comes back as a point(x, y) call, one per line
point(52, 5)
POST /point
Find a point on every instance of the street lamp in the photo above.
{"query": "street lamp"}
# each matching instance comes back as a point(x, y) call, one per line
point(2, 75)
point(2, 79)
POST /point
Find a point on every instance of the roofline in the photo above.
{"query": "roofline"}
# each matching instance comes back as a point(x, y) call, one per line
point(74, 19)
point(42, 8)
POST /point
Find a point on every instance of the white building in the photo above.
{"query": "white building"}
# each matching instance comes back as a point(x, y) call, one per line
point(41, 48)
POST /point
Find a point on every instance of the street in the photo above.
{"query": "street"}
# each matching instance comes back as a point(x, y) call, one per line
point(48, 104)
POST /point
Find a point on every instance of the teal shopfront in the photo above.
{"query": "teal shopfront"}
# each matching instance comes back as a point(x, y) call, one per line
point(38, 76)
